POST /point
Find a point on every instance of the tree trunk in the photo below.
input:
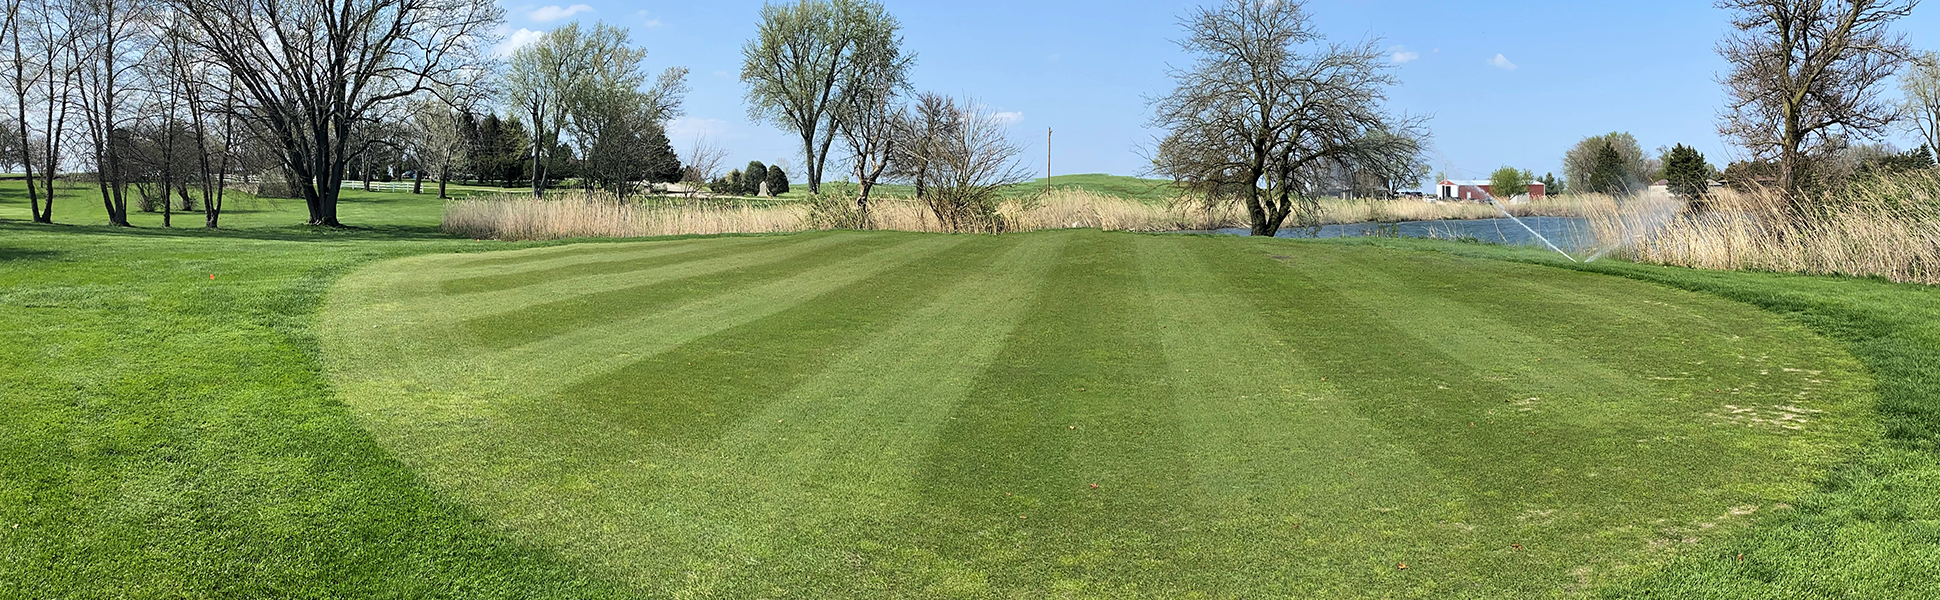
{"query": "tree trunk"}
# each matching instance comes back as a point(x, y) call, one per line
point(814, 174)
point(212, 209)
point(417, 181)
point(1263, 224)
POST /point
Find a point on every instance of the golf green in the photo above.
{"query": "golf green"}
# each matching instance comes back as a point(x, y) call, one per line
point(1085, 414)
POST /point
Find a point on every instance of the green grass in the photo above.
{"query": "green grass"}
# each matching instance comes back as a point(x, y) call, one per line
point(383, 412)
point(853, 414)
point(80, 204)
point(1134, 188)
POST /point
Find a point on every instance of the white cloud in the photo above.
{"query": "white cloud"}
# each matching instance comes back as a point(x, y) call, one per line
point(516, 40)
point(1502, 62)
point(1402, 55)
point(1009, 118)
point(647, 20)
point(554, 12)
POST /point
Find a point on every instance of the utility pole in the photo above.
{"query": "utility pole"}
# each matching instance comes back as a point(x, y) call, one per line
point(1047, 159)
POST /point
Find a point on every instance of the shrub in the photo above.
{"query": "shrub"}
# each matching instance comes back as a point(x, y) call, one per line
point(1509, 182)
point(777, 180)
point(1687, 172)
point(752, 177)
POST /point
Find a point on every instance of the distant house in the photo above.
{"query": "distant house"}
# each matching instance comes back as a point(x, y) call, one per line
point(1477, 190)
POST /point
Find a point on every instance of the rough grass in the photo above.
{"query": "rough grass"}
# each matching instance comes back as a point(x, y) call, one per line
point(880, 414)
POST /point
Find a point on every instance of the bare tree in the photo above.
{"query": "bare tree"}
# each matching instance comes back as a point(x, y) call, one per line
point(1268, 109)
point(704, 161)
point(1922, 88)
point(22, 73)
point(194, 75)
point(311, 72)
point(1806, 70)
point(919, 130)
point(969, 161)
point(110, 43)
point(436, 142)
point(811, 59)
point(869, 123)
point(53, 38)
point(611, 110)
point(543, 78)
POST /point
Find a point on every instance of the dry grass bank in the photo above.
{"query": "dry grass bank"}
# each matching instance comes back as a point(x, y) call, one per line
point(1887, 229)
point(576, 214)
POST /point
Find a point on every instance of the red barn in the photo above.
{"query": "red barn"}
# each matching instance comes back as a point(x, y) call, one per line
point(1477, 190)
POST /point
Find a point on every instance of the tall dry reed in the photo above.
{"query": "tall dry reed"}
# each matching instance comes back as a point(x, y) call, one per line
point(577, 214)
point(1886, 228)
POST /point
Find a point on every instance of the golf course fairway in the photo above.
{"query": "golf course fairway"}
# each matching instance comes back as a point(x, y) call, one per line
point(1085, 414)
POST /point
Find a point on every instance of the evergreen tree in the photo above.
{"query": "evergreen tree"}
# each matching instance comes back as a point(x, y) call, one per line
point(485, 150)
point(1607, 172)
point(663, 165)
point(777, 180)
point(1552, 186)
point(752, 178)
point(1689, 175)
point(1894, 164)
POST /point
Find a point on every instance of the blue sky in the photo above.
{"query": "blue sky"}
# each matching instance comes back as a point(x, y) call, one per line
point(1505, 83)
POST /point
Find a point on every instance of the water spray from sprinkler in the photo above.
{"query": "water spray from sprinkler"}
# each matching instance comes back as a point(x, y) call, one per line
point(1531, 230)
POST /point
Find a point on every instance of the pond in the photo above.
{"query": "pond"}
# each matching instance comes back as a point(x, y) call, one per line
point(1569, 233)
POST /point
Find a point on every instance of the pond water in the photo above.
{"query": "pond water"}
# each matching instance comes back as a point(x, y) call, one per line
point(1568, 233)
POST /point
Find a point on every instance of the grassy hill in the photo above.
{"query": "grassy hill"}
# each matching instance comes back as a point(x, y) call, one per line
point(276, 411)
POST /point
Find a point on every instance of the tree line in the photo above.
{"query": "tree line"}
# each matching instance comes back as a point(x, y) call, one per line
point(183, 95)
point(188, 97)
point(192, 96)
point(1807, 100)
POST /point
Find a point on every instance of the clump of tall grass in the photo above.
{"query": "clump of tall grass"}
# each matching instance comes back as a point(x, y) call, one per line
point(1886, 227)
point(1335, 211)
point(579, 214)
point(582, 214)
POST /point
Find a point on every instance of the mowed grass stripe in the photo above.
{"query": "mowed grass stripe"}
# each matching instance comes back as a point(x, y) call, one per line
point(824, 466)
point(1525, 473)
point(1255, 413)
point(394, 342)
point(1565, 372)
point(593, 251)
point(1497, 334)
point(694, 393)
point(534, 322)
point(655, 255)
point(568, 358)
point(777, 502)
point(1686, 346)
point(1290, 453)
point(420, 294)
point(1077, 397)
